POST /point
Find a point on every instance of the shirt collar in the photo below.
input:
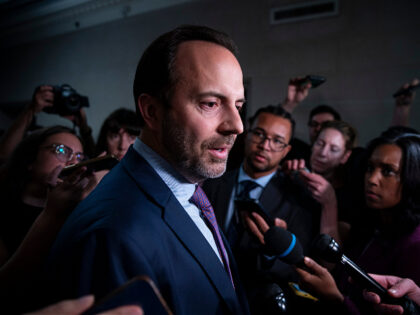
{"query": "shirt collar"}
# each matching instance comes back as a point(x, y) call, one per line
point(180, 187)
point(262, 181)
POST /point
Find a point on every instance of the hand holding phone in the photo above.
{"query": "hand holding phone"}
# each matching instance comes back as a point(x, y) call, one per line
point(315, 80)
point(140, 290)
point(106, 162)
point(408, 89)
point(251, 205)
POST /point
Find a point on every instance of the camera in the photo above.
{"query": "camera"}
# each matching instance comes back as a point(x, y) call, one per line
point(66, 101)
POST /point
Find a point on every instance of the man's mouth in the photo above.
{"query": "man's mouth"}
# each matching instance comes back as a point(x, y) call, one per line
point(220, 148)
point(220, 152)
point(260, 157)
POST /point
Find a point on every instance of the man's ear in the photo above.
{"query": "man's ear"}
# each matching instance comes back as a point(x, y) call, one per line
point(287, 150)
point(346, 157)
point(150, 108)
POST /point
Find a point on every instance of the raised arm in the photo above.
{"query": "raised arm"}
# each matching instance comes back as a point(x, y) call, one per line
point(43, 97)
point(296, 93)
point(403, 103)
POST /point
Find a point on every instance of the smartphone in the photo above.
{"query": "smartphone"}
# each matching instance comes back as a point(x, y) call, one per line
point(315, 80)
point(251, 205)
point(106, 162)
point(141, 291)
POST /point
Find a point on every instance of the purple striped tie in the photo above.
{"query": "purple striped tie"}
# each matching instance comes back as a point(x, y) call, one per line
point(200, 200)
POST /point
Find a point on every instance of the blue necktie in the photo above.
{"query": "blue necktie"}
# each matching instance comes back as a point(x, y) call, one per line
point(247, 187)
point(235, 228)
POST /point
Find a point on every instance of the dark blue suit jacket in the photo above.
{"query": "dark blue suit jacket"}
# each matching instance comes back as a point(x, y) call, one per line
point(130, 225)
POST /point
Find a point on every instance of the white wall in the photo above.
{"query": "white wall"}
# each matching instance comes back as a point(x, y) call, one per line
point(366, 53)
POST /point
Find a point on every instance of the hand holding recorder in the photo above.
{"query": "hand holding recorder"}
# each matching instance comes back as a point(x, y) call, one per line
point(396, 287)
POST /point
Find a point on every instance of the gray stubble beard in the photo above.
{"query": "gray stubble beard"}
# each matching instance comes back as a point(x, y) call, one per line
point(191, 166)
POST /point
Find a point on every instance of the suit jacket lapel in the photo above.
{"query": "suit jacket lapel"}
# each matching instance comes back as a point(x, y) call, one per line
point(182, 225)
point(240, 291)
point(194, 241)
point(273, 188)
point(222, 197)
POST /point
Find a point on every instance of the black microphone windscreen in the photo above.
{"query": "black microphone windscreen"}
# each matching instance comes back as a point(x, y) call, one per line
point(272, 300)
point(326, 248)
point(284, 245)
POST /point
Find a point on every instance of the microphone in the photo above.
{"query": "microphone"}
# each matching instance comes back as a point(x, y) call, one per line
point(284, 245)
point(328, 249)
point(274, 300)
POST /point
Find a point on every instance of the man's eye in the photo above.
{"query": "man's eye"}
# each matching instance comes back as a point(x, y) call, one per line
point(209, 104)
point(277, 141)
point(259, 134)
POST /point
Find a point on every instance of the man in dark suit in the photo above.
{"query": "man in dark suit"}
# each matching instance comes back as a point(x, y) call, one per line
point(259, 177)
point(149, 216)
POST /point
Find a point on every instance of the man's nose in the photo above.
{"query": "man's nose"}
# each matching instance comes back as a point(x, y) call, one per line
point(232, 122)
point(265, 144)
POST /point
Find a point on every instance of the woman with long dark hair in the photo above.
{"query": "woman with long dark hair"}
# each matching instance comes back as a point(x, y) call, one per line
point(118, 132)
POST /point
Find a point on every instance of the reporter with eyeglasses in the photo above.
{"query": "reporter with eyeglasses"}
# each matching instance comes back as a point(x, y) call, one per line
point(33, 197)
point(260, 178)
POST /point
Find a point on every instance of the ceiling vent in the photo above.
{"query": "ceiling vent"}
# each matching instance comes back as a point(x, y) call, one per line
point(304, 11)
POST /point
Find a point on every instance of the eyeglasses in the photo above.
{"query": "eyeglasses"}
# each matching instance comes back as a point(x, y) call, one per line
point(64, 153)
point(314, 124)
point(275, 144)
